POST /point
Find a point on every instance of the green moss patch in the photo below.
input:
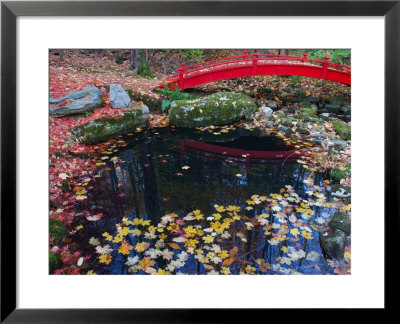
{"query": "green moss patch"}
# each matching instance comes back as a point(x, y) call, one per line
point(103, 129)
point(57, 230)
point(343, 130)
point(338, 174)
point(217, 109)
point(152, 103)
point(53, 261)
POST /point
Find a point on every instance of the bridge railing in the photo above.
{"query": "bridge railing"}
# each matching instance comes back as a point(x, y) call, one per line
point(252, 60)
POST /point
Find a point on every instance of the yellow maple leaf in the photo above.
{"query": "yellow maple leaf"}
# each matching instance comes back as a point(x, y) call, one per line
point(146, 262)
point(223, 254)
point(105, 258)
point(140, 247)
point(208, 239)
point(294, 231)
point(125, 248)
point(107, 236)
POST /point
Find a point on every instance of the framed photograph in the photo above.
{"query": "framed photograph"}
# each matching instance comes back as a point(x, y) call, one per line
point(180, 155)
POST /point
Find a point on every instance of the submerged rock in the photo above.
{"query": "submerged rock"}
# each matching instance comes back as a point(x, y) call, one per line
point(119, 98)
point(341, 221)
point(333, 243)
point(103, 129)
point(76, 102)
point(217, 109)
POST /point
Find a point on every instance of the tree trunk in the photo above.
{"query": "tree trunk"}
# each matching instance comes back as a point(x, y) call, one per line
point(139, 63)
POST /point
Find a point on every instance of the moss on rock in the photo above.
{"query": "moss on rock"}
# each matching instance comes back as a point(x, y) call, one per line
point(103, 129)
point(309, 112)
point(338, 174)
point(217, 109)
point(57, 229)
point(343, 130)
point(152, 102)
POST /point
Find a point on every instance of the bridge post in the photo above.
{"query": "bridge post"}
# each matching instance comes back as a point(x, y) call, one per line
point(255, 60)
point(181, 72)
point(325, 67)
point(304, 59)
point(245, 54)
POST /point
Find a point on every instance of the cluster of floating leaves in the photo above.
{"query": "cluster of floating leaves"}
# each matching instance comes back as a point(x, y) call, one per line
point(268, 236)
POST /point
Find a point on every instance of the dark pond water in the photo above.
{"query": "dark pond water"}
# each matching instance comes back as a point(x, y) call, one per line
point(168, 171)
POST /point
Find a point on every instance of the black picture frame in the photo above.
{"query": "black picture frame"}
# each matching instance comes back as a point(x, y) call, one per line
point(10, 10)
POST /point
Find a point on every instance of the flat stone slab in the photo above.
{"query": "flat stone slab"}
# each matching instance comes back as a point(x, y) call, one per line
point(76, 102)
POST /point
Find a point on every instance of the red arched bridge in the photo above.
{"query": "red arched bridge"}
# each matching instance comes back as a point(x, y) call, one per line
point(256, 64)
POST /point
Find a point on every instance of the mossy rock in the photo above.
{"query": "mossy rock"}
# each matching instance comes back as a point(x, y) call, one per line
point(57, 229)
point(300, 94)
point(280, 114)
point(103, 129)
point(267, 90)
point(302, 131)
point(311, 99)
point(312, 112)
point(288, 121)
point(343, 130)
point(285, 130)
point(339, 100)
point(333, 108)
point(291, 110)
point(53, 261)
point(217, 109)
point(334, 243)
point(338, 174)
point(152, 103)
point(339, 187)
point(341, 221)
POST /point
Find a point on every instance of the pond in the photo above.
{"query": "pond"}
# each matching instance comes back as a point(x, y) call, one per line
point(227, 201)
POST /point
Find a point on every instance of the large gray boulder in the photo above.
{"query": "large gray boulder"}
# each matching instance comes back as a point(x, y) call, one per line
point(103, 129)
point(76, 102)
point(217, 109)
point(333, 243)
point(119, 98)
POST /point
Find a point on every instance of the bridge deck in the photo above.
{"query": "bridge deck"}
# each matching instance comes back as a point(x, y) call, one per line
point(257, 64)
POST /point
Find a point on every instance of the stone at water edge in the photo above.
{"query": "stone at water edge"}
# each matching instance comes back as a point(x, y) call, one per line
point(273, 105)
point(267, 111)
point(119, 98)
point(76, 102)
point(324, 116)
point(339, 100)
point(333, 108)
point(217, 109)
point(103, 129)
point(341, 221)
point(333, 243)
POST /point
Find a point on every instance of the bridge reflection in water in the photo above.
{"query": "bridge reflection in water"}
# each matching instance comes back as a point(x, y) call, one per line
point(225, 152)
